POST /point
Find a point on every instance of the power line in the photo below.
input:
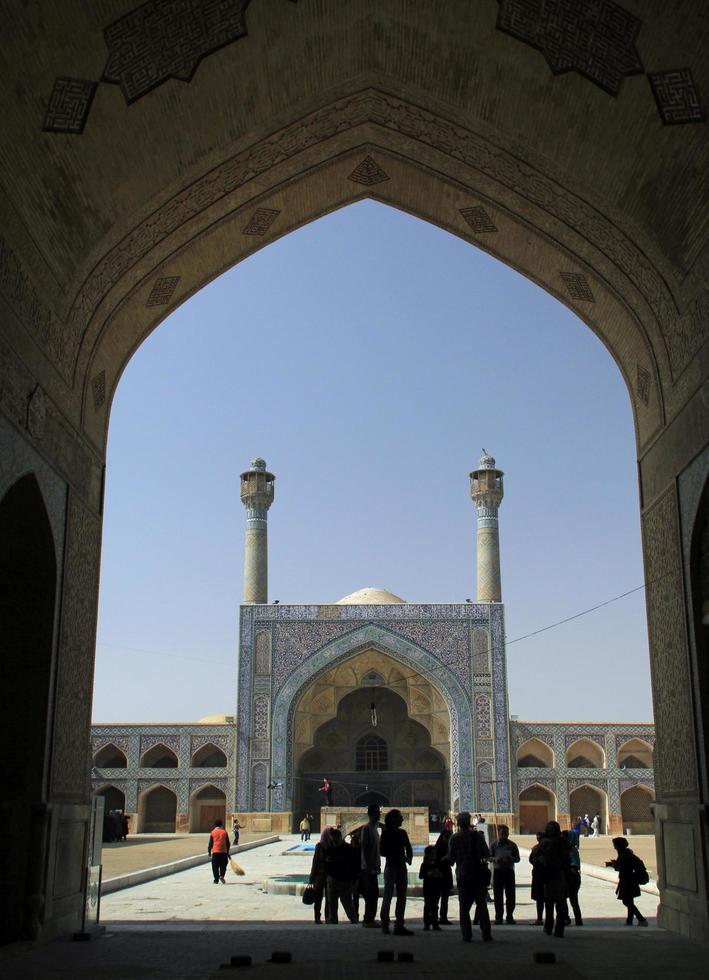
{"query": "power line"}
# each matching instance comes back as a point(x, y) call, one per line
point(157, 653)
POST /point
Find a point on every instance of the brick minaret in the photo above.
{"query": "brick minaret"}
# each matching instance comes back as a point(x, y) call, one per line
point(486, 489)
point(257, 487)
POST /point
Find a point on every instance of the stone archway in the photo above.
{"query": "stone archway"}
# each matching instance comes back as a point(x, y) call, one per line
point(140, 195)
point(588, 799)
point(207, 804)
point(636, 810)
point(359, 756)
point(537, 806)
point(157, 811)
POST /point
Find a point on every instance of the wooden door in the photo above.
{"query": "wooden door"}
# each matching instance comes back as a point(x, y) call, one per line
point(208, 814)
point(533, 817)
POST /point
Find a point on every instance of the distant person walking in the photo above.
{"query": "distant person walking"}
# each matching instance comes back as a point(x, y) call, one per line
point(432, 877)
point(553, 857)
point(505, 854)
point(304, 828)
point(326, 788)
point(596, 825)
point(468, 851)
point(370, 863)
point(235, 828)
point(318, 874)
point(340, 871)
point(443, 861)
point(631, 874)
point(573, 880)
point(395, 846)
point(448, 823)
point(586, 825)
point(537, 881)
point(218, 850)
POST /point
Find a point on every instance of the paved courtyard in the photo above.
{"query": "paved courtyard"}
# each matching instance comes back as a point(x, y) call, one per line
point(185, 926)
point(149, 850)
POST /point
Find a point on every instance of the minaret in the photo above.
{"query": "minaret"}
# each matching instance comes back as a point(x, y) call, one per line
point(257, 497)
point(487, 491)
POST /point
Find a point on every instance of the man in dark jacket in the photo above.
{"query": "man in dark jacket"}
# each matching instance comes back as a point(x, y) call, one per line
point(553, 858)
point(505, 854)
point(468, 851)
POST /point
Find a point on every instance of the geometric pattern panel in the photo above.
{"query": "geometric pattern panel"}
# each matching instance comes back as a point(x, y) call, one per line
point(643, 384)
point(676, 96)
point(577, 286)
point(98, 389)
point(69, 106)
point(165, 39)
point(596, 38)
point(260, 221)
point(483, 720)
point(368, 172)
point(479, 220)
point(162, 291)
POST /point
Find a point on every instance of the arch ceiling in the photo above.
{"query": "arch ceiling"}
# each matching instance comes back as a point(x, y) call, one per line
point(584, 169)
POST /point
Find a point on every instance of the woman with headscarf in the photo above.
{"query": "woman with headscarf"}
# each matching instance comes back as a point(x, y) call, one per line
point(629, 867)
point(318, 874)
point(574, 878)
point(552, 855)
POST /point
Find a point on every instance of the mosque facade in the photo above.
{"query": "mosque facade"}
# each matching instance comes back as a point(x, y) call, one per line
point(399, 703)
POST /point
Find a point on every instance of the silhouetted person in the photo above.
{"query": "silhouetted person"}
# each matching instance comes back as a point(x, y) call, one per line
point(370, 863)
point(444, 864)
point(318, 875)
point(537, 881)
point(395, 846)
point(553, 857)
point(468, 851)
point(505, 854)
point(574, 878)
point(340, 870)
point(628, 867)
point(218, 850)
point(432, 877)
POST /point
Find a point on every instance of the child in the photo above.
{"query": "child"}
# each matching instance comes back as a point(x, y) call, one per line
point(432, 877)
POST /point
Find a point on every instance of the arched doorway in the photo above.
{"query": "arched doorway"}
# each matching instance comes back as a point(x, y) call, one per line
point(589, 800)
point(157, 811)
point(371, 796)
point(584, 753)
point(537, 806)
point(27, 591)
point(159, 757)
point(209, 756)
point(636, 810)
point(371, 745)
point(636, 753)
point(207, 805)
point(114, 798)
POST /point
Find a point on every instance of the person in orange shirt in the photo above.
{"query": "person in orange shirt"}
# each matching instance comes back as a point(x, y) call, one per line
point(218, 850)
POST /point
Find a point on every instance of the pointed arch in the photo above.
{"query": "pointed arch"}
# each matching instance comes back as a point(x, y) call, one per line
point(109, 756)
point(207, 804)
point(537, 806)
point(157, 810)
point(636, 809)
point(535, 753)
point(159, 757)
point(584, 753)
point(208, 756)
point(635, 753)
point(589, 799)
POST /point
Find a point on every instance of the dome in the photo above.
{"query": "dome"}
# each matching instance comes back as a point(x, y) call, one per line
point(369, 597)
point(216, 720)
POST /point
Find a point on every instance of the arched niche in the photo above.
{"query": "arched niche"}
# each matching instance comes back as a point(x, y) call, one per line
point(537, 806)
point(114, 798)
point(207, 804)
point(157, 810)
point(209, 756)
point(636, 753)
point(110, 757)
point(584, 753)
point(636, 810)
point(159, 757)
point(587, 799)
point(534, 753)
point(28, 581)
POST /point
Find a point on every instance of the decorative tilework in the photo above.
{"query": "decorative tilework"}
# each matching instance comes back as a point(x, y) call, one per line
point(479, 220)
point(596, 38)
point(643, 385)
point(219, 741)
point(259, 791)
point(598, 739)
point(69, 106)
point(162, 291)
point(98, 389)
point(485, 788)
point(368, 172)
point(481, 651)
point(101, 741)
point(261, 716)
point(199, 784)
point(626, 784)
point(483, 721)
point(577, 286)
point(263, 652)
point(164, 39)
point(260, 221)
point(676, 96)
point(170, 741)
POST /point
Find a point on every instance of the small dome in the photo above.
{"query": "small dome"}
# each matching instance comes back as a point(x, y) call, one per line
point(258, 464)
point(487, 462)
point(369, 597)
point(217, 720)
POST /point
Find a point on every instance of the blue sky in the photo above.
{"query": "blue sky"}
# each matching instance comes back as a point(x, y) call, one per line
point(369, 357)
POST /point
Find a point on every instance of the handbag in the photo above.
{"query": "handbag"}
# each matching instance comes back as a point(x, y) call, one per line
point(309, 894)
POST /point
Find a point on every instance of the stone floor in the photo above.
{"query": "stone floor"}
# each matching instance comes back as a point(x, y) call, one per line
point(184, 926)
point(598, 850)
point(148, 850)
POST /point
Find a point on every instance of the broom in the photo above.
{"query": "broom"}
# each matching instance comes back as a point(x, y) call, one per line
point(236, 868)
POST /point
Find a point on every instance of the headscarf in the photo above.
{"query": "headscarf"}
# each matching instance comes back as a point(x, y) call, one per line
point(326, 837)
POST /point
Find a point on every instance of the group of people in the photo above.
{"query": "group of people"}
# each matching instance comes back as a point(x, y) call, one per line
point(346, 873)
point(115, 826)
point(585, 827)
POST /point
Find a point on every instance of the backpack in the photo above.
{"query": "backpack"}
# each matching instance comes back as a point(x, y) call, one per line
point(640, 871)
